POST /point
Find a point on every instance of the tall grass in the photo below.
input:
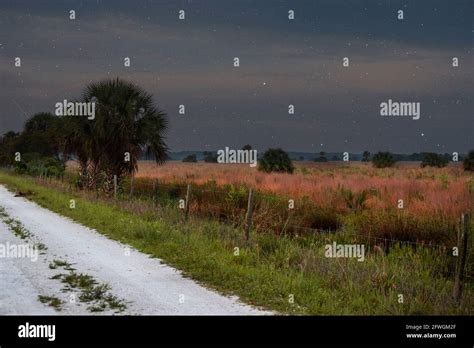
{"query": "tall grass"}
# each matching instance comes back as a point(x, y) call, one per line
point(329, 197)
point(269, 269)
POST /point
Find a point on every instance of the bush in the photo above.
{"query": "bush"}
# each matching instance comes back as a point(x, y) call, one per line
point(34, 164)
point(190, 158)
point(366, 156)
point(383, 160)
point(468, 162)
point(434, 160)
point(276, 160)
point(210, 157)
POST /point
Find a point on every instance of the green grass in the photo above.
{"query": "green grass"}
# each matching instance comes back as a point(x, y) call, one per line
point(20, 231)
point(54, 302)
point(90, 291)
point(269, 270)
point(14, 226)
point(60, 264)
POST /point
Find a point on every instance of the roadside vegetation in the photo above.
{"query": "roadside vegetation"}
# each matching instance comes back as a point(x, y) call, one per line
point(288, 274)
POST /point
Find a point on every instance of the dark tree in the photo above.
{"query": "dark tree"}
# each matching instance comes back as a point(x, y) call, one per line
point(276, 160)
point(383, 160)
point(366, 156)
point(468, 162)
point(431, 159)
point(190, 158)
point(210, 157)
point(127, 123)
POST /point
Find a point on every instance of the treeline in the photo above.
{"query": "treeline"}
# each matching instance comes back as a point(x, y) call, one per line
point(277, 160)
point(126, 125)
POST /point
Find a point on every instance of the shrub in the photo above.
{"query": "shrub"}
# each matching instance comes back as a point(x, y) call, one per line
point(383, 160)
point(190, 158)
point(276, 160)
point(468, 162)
point(210, 157)
point(366, 156)
point(434, 160)
point(34, 164)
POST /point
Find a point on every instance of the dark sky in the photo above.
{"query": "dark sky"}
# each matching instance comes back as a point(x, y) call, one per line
point(282, 62)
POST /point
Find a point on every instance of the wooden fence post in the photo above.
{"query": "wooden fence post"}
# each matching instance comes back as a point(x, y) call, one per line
point(188, 199)
point(115, 187)
point(248, 218)
point(462, 256)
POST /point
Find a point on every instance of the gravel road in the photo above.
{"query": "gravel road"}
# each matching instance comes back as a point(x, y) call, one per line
point(145, 284)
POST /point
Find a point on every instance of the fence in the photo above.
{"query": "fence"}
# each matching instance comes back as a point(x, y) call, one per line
point(187, 194)
point(462, 235)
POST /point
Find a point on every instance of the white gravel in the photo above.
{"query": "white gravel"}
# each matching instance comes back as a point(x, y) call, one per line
point(148, 286)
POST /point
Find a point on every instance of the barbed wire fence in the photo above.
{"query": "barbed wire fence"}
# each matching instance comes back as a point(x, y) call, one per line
point(461, 249)
point(187, 195)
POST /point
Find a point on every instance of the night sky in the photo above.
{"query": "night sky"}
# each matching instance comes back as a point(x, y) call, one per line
point(282, 62)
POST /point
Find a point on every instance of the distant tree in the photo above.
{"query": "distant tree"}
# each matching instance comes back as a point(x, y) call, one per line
point(366, 156)
point(40, 122)
point(39, 146)
point(190, 158)
point(43, 134)
point(383, 160)
point(247, 147)
point(210, 157)
point(301, 158)
point(431, 159)
point(276, 160)
point(321, 158)
point(468, 162)
point(7, 147)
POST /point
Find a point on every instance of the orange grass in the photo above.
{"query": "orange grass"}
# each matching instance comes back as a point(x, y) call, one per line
point(425, 191)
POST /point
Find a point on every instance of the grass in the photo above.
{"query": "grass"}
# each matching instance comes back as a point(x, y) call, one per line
point(60, 264)
point(326, 196)
point(14, 226)
point(269, 270)
point(424, 190)
point(21, 231)
point(90, 290)
point(54, 302)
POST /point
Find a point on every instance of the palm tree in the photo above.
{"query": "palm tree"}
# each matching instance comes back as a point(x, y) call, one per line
point(126, 121)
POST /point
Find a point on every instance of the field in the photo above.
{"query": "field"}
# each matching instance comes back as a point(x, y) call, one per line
point(285, 273)
point(282, 266)
point(425, 190)
point(405, 202)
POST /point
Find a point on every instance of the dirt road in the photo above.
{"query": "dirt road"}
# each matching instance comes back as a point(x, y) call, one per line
point(72, 253)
